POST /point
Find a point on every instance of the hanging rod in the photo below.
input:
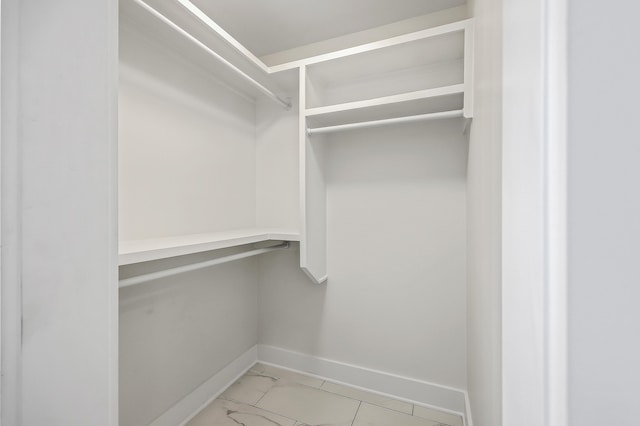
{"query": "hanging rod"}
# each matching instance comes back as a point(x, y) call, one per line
point(245, 76)
point(408, 119)
point(127, 282)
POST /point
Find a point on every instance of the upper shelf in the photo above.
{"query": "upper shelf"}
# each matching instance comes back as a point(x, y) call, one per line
point(407, 64)
point(171, 26)
point(424, 75)
point(162, 248)
point(431, 32)
point(418, 53)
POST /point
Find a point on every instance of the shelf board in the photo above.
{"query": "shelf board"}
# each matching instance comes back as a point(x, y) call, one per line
point(434, 32)
point(161, 248)
point(140, 27)
point(419, 102)
point(419, 54)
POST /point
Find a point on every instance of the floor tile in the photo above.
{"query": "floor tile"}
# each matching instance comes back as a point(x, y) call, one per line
point(287, 375)
point(249, 388)
point(372, 415)
point(309, 405)
point(439, 416)
point(229, 413)
point(371, 398)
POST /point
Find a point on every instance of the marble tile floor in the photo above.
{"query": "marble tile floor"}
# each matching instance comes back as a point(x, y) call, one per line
point(270, 396)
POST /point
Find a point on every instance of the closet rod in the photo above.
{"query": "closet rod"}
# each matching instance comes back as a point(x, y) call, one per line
point(171, 24)
point(408, 119)
point(127, 282)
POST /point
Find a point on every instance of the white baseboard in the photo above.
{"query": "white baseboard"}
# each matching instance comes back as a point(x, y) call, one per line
point(416, 391)
point(468, 421)
point(190, 405)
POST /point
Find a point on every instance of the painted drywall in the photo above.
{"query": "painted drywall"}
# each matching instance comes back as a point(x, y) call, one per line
point(276, 151)
point(186, 146)
point(523, 214)
point(10, 215)
point(177, 332)
point(603, 213)
point(187, 164)
point(395, 300)
point(62, 193)
point(484, 219)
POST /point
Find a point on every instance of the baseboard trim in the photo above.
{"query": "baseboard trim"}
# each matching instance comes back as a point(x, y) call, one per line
point(419, 392)
point(189, 406)
point(468, 420)
point(427, 394)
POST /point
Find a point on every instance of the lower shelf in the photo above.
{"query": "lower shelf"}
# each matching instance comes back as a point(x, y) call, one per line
point(426, 101)
point(161, 248)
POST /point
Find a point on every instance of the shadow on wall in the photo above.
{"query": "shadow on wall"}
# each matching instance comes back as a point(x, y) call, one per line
point(291, 307)
point(395, 300)
point(178, 331)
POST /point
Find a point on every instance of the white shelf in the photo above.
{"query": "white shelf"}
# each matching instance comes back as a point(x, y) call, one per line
point(162, 248)
point(425, 75)
point(417, 54)
point(419, 102)
point(138, 22)
point(433, 32)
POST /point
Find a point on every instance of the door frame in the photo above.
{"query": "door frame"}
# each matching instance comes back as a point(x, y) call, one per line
point(534, 239)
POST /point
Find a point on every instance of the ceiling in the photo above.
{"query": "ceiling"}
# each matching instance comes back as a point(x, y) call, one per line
point(269, 26)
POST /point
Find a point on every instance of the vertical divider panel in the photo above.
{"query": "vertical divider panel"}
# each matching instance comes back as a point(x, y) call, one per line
point(468, 68)
point(313, 196)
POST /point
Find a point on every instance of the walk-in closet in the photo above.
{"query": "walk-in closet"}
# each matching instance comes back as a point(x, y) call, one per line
point(292, 202)
point(339, 213)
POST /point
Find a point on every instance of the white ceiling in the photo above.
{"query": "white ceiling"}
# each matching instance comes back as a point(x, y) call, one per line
point(269, 26)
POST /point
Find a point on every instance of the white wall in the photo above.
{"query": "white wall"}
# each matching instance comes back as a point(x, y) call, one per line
point(395, 299)
point(177, 332)
point(484, 219)
point(276, 151)
point(604, 212)
point(187, 159)
point(61, 187)
point(11, 210)
point(187, 163)
point(525, 229)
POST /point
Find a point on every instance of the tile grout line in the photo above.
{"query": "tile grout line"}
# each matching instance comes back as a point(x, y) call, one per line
point(264, 409)
point(354, 417)
point(260, 399)
point(320, 388)
point(310, 387)
point(369, 391)
point(316, 388)
point(254, 406)
point(381, 395)
point(268, 411)
point(368, 402)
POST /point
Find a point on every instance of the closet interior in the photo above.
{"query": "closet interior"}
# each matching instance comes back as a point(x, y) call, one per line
point(304, 208)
